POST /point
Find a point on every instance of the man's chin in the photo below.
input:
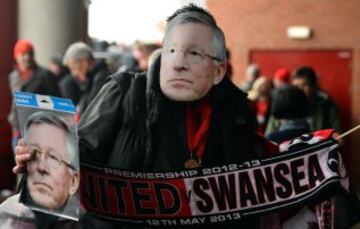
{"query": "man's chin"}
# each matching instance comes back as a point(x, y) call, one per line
point(43, 201)
point(181, 97)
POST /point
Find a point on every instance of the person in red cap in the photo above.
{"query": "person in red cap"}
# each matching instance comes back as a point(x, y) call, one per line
point(281, 78)
point(28, 76)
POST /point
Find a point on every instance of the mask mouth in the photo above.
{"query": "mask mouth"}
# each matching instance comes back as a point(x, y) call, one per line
point(43, 184)
point(181, 80)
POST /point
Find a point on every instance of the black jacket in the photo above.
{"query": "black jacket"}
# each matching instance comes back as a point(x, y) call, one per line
point(41, 81)
point(83, 93)
point(125, 125)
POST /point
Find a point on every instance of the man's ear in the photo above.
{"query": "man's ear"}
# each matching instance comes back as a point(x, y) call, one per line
point(74, 182)
point(219, 73)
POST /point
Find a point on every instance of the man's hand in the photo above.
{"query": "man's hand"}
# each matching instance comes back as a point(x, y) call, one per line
point(23, 154)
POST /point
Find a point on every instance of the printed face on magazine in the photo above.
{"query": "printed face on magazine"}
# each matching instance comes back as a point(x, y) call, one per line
point(51, 177)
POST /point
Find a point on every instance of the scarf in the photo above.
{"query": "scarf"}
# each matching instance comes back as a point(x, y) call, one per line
point(198, 118)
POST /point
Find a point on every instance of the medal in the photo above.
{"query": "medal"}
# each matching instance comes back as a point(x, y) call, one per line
point(197, 131)
point(192, 164)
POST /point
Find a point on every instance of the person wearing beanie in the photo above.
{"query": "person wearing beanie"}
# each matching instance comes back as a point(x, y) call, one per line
point(28, 76)
point(291, 107)
point(23, 54)
point(281, 77)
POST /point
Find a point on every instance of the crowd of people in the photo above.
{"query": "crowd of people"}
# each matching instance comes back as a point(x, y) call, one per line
point(179, 110)
point(320, 114)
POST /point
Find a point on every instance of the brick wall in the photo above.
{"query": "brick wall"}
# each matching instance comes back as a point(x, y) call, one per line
point(262, 24)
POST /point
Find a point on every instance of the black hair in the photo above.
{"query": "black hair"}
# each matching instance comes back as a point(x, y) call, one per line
point(192, 8)
point(307, 73)
point(289, 102)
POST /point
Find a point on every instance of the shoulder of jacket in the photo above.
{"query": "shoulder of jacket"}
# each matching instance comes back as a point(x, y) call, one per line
point(238, 97)
point(126, 78)
point(324, 99)
point(120, 77)
point(102, 72)
point(323, 95)
point(227, 89)
point(67, 79)
point(43, 72)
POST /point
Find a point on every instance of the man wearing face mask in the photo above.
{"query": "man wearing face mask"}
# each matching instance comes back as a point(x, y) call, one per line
point(182, 114)
point(28, 76)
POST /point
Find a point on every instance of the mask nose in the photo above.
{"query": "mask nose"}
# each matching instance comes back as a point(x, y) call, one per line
point(180, 62)
point(43, 166)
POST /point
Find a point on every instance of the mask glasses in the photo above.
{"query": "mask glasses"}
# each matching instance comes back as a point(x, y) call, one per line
point(53, 160)
point(192, 55)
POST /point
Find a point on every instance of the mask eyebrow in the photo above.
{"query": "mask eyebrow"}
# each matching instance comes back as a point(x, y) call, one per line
point(35, 145)
point(49, 150)
point(194, 47)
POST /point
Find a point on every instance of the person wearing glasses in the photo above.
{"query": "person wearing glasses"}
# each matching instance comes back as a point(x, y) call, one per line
point(52, 174)
point(182, 114)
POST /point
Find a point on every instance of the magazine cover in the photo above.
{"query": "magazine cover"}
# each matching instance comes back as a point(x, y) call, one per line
point(52, 177)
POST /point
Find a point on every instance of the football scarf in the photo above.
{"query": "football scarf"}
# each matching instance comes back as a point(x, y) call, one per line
point(308, 168)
